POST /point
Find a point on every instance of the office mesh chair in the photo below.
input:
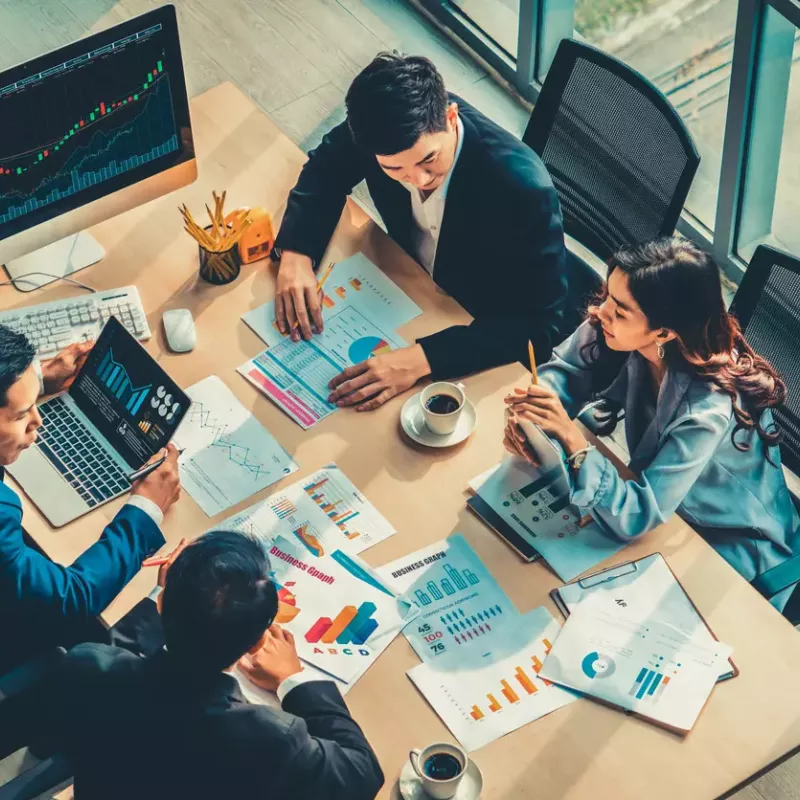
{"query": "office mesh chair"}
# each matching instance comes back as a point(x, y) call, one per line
point(620, 157)
point(767, 305)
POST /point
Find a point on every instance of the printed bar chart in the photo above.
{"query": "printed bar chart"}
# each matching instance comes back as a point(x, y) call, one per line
point(343, 619)
point(493, 704)
point(476, 713)
point(351, 626)
point(283, 508)
point(361, 626)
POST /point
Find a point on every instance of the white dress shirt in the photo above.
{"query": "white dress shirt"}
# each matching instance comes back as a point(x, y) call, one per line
point(429, 213)
point(143, 503)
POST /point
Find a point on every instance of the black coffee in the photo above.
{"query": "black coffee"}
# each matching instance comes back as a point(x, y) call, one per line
point(442, 766)
point(442, 404)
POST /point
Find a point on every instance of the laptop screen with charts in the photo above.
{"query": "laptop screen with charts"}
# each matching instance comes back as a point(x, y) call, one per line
point(120, 410)
point(134, 404)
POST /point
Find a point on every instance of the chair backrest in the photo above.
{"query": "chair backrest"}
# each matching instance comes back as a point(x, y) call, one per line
point(767, 306)
point(620, 157)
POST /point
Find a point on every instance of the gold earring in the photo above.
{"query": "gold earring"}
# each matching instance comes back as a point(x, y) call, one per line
point(660, 350)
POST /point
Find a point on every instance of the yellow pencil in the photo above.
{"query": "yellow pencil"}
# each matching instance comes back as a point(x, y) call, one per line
point(320, 283)
point(534, 375)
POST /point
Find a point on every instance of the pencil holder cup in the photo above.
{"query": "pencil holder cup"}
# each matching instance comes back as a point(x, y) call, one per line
point(221, 267)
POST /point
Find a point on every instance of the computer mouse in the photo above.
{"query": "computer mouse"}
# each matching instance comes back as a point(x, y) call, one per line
point(179, 329)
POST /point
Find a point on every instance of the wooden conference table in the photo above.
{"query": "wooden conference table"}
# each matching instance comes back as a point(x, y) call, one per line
point(582, 751)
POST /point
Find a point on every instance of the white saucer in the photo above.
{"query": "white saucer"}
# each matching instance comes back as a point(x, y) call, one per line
point(470, 787)
point(413, 423)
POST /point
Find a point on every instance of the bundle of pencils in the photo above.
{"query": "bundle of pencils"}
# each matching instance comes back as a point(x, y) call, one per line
point(223, 233)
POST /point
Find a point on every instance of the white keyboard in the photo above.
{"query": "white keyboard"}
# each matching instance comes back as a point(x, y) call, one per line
point(51, 327)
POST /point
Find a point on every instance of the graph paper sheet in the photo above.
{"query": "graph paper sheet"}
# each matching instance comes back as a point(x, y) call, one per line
point(228, 455)
point(460, 602)
point(492, 692)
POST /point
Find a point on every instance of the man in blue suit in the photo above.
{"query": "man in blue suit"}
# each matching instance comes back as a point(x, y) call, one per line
point(43, 604)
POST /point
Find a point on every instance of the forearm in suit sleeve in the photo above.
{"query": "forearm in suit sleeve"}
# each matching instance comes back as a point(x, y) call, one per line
point(333, 759)
point(531, 266)
point(316, 202)
point(52, 593)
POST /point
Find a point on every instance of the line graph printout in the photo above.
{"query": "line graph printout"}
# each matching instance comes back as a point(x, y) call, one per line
point(295, 375)
point(355, 282)
point(228, 454)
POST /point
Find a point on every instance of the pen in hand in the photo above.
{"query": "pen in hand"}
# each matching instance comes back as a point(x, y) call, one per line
point(144, 471)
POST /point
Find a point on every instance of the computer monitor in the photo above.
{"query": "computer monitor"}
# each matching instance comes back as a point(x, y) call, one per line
point(89, 131)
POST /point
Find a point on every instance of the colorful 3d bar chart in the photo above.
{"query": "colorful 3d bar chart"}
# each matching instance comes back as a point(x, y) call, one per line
point(351, 626)
point(527, 684)
point(493, 704)
point(508, 692)
point(476, 713)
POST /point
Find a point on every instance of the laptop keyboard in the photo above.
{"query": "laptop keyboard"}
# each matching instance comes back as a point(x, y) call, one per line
point(75, 453)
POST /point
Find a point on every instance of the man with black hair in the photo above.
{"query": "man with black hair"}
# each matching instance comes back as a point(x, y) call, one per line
point(474, 205)
point(43, 604)
point(176, 724)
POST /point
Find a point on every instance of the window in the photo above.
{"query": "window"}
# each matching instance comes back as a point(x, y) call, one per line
point(499, 19)
point(786, 213)
point(685, 50)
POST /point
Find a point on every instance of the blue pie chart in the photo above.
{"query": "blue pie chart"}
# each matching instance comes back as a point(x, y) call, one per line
point(597, 665)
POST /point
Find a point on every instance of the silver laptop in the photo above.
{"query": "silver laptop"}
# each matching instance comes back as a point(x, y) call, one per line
point(120, 410)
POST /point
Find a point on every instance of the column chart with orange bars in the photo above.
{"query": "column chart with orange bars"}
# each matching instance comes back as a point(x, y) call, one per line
point(483, 697)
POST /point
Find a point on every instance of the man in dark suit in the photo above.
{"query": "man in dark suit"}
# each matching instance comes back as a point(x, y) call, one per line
point(176, 724)
point(473, 204)
point(43, 604)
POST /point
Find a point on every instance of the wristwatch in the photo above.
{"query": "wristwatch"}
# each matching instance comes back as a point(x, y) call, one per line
point(576, 460)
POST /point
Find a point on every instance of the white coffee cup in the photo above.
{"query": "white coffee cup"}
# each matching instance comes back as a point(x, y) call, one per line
point(442, 424)
point(439, 788)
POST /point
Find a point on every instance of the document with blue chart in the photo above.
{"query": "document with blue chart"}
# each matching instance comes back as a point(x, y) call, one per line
point(651, 668)
point(295, 375)
point(104, 119)
point(536, 505)
point(228, 454)
point(127, 396)
point(460, 602)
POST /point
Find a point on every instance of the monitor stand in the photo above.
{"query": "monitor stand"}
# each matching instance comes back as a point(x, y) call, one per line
point(54, 261)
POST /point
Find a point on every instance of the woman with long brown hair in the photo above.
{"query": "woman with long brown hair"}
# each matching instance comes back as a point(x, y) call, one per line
point(698, 410)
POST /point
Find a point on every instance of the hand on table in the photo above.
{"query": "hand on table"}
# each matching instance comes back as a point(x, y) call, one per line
point(59, 372)
point(274, 662)
point(379, 378)
point(541, 405)
point(162, 486)
point(297, 298)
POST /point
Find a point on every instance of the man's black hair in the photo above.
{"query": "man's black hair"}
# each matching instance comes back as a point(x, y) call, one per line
point(395, 100)
point(218, 601)
point(16, 355)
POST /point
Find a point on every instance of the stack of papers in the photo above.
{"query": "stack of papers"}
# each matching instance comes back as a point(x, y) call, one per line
point(481, 658)
point(362, 309)
point(342, 613)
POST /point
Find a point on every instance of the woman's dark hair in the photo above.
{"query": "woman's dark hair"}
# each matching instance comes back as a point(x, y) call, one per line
point(393, 101)
point(677, 286)
point(218, 601)
point(16, 355)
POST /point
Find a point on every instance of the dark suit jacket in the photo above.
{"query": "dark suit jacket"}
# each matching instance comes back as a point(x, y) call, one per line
point(134, 728)
point(501, 247)
point(43, 604)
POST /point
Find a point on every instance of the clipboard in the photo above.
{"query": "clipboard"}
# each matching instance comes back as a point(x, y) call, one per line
point(619, 579)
